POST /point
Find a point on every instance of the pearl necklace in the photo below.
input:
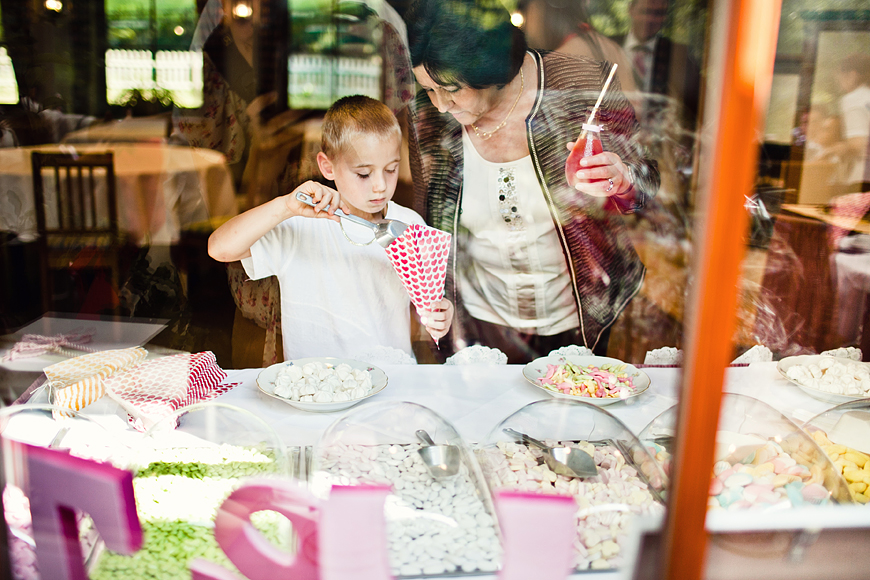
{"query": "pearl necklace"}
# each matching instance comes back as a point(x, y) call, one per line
point(485, 135)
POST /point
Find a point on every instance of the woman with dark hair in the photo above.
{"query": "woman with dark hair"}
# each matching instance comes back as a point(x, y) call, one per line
point(536, 264)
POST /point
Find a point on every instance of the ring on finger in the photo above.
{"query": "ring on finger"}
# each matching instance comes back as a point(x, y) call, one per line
point(611, 185)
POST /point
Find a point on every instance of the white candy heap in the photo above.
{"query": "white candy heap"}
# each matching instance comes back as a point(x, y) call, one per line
point(606, 502)
point(433, 527)
point(833, 376)
point(318, 382)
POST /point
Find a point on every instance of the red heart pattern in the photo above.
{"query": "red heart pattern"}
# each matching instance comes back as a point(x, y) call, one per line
point(419, 256)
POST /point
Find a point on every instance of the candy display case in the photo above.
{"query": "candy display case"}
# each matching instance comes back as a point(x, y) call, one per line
point(436, 526)
point(628, 481)
point(51, 427)
point(763, 461)
point(185, 466)
point(843, 433)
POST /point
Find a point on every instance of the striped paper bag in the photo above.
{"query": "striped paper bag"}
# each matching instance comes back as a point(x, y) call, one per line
point(77, 382)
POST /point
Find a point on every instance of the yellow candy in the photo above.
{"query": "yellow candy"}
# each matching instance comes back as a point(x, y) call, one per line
point(844, 465)
point(861, 498)
point(856, 457)
point(821, 438)
point(858, 487)
point(854, 475)
point(836, 449)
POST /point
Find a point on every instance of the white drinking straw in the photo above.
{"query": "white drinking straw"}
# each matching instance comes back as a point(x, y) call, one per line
point(600, 97)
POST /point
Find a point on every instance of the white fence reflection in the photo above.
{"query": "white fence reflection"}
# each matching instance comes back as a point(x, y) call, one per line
point(315, 80)
point(8, 86)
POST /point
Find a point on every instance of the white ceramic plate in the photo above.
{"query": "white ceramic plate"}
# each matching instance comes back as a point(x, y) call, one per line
point(538, 369)
point(266, 383)
point(807, 359)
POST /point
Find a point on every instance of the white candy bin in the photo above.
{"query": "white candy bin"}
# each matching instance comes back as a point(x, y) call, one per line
point(435, 526)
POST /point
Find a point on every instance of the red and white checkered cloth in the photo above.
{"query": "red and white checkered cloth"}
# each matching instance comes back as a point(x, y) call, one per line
point(156, 389)
point(852, 207)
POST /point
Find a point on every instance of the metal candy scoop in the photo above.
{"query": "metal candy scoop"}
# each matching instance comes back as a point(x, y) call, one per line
point(442, 461)
point(386, 231)
point(565, 461)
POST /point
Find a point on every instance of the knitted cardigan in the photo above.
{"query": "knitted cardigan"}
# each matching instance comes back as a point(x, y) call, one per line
point(605, 270)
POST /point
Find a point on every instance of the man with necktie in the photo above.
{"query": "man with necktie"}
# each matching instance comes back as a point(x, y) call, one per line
point(661, 66)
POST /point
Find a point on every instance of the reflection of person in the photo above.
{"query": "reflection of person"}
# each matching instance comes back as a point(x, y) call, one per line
point(563, 26)
point(338, 296)
point(536, 264)
point(263, 158)
point(853, 76)
point(661, 66)
point(258, 153)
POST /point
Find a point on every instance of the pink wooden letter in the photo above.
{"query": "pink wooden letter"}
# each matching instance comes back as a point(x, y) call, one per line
point(246, 547)
point(58, 483)
point(539, 533)
point(353, 534)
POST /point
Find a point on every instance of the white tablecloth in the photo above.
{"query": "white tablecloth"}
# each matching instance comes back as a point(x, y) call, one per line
point(160, 188)
point(476, 398)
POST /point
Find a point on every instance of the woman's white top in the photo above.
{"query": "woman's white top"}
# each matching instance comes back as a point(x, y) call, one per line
point(511, 269)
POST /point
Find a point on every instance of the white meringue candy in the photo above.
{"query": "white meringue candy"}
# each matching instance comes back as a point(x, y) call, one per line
point(358, 393)
point(309, 389)
point(323, 397)
point(293, 372)
point(308, 369)
point(283, 390)
point(340, 397)
point(306, 399)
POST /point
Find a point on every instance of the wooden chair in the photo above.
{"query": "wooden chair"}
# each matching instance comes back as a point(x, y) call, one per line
point(76, 218)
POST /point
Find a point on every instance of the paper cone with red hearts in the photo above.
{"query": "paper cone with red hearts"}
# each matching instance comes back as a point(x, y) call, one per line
point(419, 256)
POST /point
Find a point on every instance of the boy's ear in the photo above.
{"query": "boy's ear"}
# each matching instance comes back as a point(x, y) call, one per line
point(325, 165)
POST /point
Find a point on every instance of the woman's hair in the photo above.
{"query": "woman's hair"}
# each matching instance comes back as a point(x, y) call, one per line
point(351, 116)
point(465, 42)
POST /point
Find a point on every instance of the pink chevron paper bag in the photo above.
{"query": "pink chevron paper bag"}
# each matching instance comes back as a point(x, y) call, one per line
point(419, 256)
point(157, 388)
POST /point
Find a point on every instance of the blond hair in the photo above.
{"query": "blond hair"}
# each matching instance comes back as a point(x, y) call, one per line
point(351, 116)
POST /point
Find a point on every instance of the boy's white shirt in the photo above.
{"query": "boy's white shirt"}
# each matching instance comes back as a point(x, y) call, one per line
point(337, 299)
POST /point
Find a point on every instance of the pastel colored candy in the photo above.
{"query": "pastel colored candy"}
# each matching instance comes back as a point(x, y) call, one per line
point(738, 480)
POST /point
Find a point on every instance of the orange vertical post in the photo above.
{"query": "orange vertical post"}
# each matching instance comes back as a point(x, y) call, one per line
point(740, 71)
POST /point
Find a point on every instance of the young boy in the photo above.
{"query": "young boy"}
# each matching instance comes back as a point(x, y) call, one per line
point(339, 295)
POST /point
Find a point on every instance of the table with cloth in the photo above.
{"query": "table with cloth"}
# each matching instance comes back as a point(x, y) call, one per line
point(161, 189)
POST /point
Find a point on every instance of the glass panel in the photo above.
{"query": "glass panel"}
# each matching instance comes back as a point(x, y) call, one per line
point(180, 92)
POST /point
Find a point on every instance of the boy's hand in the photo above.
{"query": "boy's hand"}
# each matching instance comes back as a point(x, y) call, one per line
point(439, 318)
point(322, 195)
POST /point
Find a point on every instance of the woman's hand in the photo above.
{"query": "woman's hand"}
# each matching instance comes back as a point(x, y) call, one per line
point(439, 318)
point(603, 175)
point(322, 195)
